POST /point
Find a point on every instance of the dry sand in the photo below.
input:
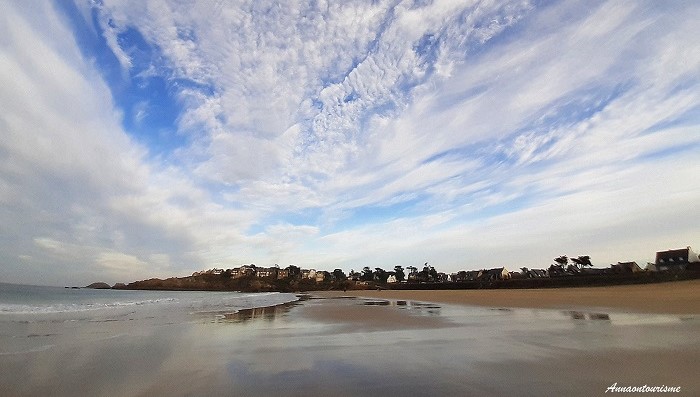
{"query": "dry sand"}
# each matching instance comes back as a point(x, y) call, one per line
point(680, 297)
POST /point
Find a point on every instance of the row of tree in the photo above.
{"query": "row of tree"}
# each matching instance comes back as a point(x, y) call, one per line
point(428, 273)
point(580, 262)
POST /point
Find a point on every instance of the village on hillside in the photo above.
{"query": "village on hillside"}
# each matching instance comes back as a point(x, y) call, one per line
point(670, 262)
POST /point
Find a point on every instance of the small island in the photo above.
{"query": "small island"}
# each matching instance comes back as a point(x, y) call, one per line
point(98, 285)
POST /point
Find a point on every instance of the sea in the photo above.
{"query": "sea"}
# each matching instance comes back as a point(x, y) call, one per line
point(36, 304)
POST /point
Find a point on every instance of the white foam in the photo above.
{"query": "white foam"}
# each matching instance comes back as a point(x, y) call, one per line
point(10, 308)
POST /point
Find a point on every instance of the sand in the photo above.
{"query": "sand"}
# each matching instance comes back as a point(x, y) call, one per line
point(468, 343)
point(368, 316)
point(485, 349)
point(680, 297)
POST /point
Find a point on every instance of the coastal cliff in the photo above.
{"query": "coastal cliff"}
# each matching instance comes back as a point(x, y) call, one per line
point(223, 282)
point(252, 283)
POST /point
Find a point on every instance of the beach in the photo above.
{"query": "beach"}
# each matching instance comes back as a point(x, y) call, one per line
point(375, 343)
point(682, 297)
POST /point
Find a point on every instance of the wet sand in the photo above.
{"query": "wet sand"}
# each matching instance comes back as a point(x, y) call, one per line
point(374, 315)
point(527, 351)
point(681, 297)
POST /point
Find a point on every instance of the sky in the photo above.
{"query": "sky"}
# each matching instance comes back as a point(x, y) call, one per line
point(156, 138)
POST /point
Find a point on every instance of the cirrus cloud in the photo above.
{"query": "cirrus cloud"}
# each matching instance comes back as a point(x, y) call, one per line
point(156, 138)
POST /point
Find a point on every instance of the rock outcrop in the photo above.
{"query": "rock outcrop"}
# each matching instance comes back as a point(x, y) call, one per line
point(99, 285)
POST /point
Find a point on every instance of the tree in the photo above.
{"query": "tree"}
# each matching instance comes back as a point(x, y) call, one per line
point(294, 271)
point(461, 275)
point(339, 275)
point(399, 274)
point(367, 274)
point(434, 275)
point(412, 275)
point(380, 275)
point(562, 260)
point(353, 275)
point(582, 261)
point(428, 273)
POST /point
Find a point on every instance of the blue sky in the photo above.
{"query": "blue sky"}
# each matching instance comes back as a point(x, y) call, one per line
point(156, 138)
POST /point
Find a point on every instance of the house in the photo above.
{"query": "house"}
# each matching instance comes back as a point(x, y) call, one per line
point(571, 269)
point(499, 273)
point(474, 275)
point(283, 273)
point(556, 271)
point(245, 270)
point(391, 279)
point(309, 274)
point(354, 276)
point(625, 267)
point(267, 272)
point(459, 276)
point(536, 273)
point(677, 259)
point(322, 275)
point(590, 271)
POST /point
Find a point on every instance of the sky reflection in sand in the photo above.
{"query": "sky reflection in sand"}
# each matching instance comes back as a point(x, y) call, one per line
point(348, 347)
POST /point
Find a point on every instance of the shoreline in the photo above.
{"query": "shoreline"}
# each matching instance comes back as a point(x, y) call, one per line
point(679, 297)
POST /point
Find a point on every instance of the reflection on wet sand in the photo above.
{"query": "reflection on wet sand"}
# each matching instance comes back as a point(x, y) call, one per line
point(578, 315)
point(259, 313)
point(417, 308)
point(268, 313)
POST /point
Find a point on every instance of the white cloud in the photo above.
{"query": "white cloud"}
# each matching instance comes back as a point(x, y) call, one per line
point(140, 112)
point(75, 184)
point(506, 131)
point(122, 264)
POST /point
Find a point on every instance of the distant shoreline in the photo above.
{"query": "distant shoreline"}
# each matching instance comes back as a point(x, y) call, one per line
point(221, 282)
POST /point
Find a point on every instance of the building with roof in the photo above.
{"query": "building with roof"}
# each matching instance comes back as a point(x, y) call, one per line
point(625, 267)
point(263, 272)
point(499, 273)
point(677, 259)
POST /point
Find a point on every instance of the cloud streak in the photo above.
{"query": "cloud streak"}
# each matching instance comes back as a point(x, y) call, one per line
point(344, 134)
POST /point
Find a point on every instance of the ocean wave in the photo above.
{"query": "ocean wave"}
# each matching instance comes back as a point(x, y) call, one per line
point(58, 305)
point(11, 308)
